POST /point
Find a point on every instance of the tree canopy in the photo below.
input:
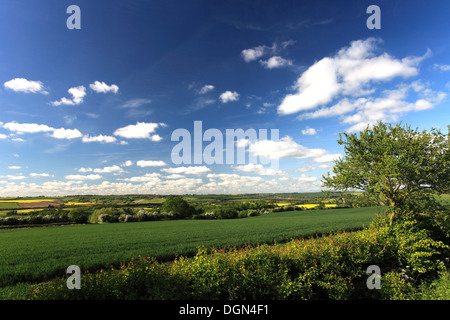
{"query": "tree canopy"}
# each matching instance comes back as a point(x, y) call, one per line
point(397, 164)
point(178, 206)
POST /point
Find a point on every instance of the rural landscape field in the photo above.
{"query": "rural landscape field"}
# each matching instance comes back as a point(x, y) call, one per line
point(218, 158)
point(39, 244)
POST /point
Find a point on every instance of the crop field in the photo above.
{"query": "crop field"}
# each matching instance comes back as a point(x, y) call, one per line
point(37, 254)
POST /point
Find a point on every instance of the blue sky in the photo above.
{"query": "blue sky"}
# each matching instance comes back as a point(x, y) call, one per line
point(92, 111)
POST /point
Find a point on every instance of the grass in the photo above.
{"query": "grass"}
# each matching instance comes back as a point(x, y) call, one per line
point(9, 205)
point(37, 254)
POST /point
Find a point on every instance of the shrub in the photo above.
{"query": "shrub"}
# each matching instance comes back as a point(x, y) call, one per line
point(227, 213)
point(112, 213)
point(178, 206)
point(78, 215)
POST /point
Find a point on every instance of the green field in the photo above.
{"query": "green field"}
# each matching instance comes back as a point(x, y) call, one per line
point(36, 254)
point(9, 205)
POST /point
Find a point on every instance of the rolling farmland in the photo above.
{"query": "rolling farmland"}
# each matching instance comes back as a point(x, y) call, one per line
point(36, 254)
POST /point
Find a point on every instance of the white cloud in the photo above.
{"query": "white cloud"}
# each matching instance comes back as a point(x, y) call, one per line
point(127, 163)
point(309, 131)
point(187, 170)
point(253, 53)
point(77, 93)
point(349, 72)
point(66, 133)
point(27, 127)
point(307, 168)
point(150, 163)
point(100, 138)
point(228, 96)
point(101, 87)
point(275, 62)
point(141, 130)
point(26, 86)
point(20, 177)
point(39, 175)
point(205, 89)
point(259, 169)
point(286, 147)
point(363, 112)
point(156, 137)
point(114, 168)
point(14, 167)
point(3, 136)
point(328, 158)
point(175, 176)
point(148, 177)
point(84, 170)
point(81, 177)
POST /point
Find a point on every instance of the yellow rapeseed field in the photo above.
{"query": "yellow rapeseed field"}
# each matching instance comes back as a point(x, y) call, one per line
point(308, 206)
point(28, 201)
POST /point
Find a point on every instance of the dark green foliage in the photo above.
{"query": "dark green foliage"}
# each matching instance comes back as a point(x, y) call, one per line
point(79, 215)
point(178, 206)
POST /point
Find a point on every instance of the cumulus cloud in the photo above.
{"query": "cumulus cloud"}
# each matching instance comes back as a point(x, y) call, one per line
point(366, 111)
point(77, 93)
point(18, 177)
point(228, 96)
point(275, 62)
point(82, 177)
point(349, 72)
point(100, 138)
point(110, 169)
point(286, 147)
point(254, 53)
point(259, 169)
point(140, 130)
point(66, 133)
point(309, 131)
point(148, 177)
point(27, 127)
point(127, 163)
point(196, 170)
point(26, 86)
point(101, 87)
point(14, 167)
point(39, 175)
point(150, 163)
point(257, 52)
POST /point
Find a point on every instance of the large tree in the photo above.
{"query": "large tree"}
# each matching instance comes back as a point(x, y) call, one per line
point(397, 164)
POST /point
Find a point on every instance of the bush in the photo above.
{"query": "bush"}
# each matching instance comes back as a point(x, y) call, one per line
point(78, 215)
point(178, 206)
point(227, 213)
point(109, 214)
